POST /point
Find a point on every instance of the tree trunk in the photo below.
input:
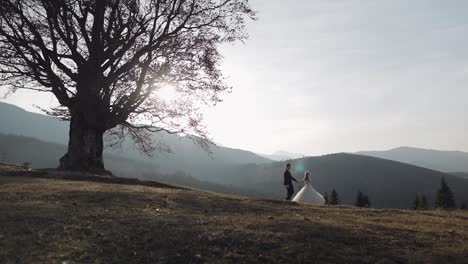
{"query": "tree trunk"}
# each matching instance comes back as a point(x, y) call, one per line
point(87, 125)
point(85, 147)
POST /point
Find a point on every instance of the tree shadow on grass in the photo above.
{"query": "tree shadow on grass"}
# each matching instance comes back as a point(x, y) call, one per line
point(188, 227)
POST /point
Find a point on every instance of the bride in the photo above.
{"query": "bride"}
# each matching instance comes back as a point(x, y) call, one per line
point(308, 194)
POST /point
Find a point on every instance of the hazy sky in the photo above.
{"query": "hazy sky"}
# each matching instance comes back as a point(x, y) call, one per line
point(323, 76)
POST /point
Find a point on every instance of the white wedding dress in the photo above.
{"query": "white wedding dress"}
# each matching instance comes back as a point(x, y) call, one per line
point(309, 195)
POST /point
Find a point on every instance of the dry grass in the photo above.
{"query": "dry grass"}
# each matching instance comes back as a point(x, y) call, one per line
point(58, 221)
point(6, 168)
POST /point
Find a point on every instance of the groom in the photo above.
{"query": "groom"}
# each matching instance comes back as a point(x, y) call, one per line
point(288, 178)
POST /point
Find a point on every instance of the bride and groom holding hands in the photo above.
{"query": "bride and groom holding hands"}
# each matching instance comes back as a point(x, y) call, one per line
point(307, 194)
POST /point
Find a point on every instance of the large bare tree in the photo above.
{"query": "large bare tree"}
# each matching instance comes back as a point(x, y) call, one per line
point(105, 60)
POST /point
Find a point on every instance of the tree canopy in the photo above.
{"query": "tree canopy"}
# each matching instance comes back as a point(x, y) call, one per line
point(362, 200)
point(334, 199)
point(445, 199)
point(105, 62)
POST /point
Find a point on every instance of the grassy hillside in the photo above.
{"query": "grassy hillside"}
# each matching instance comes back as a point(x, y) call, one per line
point(389, 184)
point(59, 221)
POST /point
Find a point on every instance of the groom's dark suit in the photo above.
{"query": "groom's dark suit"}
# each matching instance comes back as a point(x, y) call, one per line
point(288, 178)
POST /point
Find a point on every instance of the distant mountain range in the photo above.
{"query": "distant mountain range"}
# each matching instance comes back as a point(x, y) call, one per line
point(39, 154)
point(17, 121)
point(446, 161)
point(185, 155)
point(39, 139)
point(388, 183)
point(460, 174)
point(282, 155)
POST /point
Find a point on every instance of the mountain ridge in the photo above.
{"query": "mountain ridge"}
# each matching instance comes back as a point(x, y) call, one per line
point(282, 155)
point(185, 152)
point(244, 173)
point(390, 184)
point(440, 160)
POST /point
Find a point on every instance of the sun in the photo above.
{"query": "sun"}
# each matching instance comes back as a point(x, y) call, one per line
point(167, 92)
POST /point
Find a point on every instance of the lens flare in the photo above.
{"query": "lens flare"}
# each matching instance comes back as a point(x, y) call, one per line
point(298, 167)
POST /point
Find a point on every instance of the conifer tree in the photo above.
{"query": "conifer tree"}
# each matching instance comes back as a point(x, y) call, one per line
point(359, 199)
point(445, 198)
point(416, 203)
point(334, 199)
point(326, 198)
point(424, 205)
point(362, 200)
point(367, 202)
point(463, 206)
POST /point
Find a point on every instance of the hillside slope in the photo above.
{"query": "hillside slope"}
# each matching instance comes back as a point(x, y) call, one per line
point(186, 155)
point(446, 161)
point(389, 184)
point(58, 221)
point(282, 155)
point(460, 174)
point(17, 121)
point(40, 154)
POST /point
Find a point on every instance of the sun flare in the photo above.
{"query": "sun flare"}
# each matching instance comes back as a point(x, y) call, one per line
point(167, 92)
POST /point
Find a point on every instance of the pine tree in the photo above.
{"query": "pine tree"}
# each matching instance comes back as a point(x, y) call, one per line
point(416, 203)
point(445, 198)
point(359, 199)
point(367, 202)
point(362, 200)
point(463, 206)
point(423, 205)
point(334, 199)
point(326, 198)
